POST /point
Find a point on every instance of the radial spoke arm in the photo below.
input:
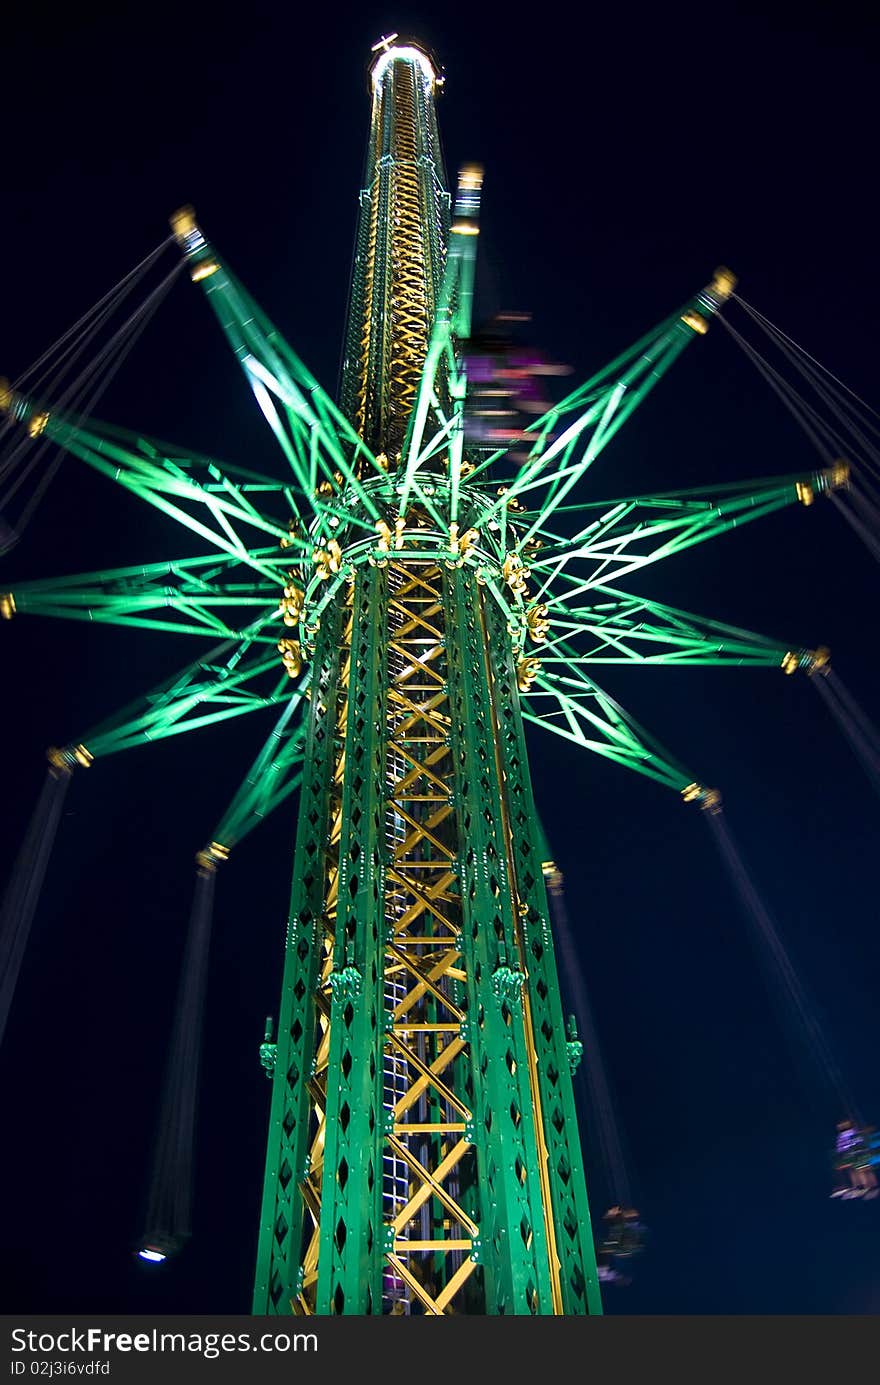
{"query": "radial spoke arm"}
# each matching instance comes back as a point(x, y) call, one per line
point(207, 595)
point(274, 775)
point(574, 707)
point(234, 678)
point(214, 506)
point(629, 534)
point(592, 414)
point(320, 444)
point(443, 372)
point(619, 628)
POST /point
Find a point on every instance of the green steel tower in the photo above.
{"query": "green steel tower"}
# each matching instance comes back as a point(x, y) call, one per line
point(423, 1154)
point(423, 1144)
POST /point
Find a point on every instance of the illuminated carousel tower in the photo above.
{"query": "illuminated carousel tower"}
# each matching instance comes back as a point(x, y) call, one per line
point(423, 1149)
point(421, 595)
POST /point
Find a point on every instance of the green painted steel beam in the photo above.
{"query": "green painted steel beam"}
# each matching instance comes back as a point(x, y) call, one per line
point(198, 571)
point(580, 711)
point(452, 318)
point(274, 775)
point(610, 397)
point(288, 1216)
point(624, 629)
point(566, 1208)
point(661, 526)
point(234, 678)
point(314, 434)
point(352, 1234)
point(161, 482)
point(515, 1247)
point(147, 596)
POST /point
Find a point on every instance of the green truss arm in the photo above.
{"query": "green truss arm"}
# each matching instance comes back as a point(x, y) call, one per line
point(632, 533)
point(452, 319)
point(315, 436)
point(620, 628)
point(166, 479)
point(185, 596)
point(273, 777)
point(601, 406)
point(573, 706)
point(232, 679)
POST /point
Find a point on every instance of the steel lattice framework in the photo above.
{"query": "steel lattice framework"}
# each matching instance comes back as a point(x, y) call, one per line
point(426, 596)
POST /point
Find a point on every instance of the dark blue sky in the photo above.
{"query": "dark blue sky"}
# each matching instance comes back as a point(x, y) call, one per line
point(626, 155)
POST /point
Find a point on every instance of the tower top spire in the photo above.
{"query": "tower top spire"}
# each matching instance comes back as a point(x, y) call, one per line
point(392, 48)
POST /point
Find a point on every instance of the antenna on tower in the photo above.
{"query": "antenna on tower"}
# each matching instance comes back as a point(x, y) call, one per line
point(384, 44)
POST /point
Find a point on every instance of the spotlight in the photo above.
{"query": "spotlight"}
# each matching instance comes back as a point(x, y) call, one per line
point(152, 1254)
point(159, 1247)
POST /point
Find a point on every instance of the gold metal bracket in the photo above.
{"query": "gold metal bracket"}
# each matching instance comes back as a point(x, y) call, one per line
point(538, 623)
point(696, 322)
point(291, 657)
point(327, 560)
point(804, 492)
point(527, 671)
point(709, 800)
point(819, 661)
point(837, 475)
point(211, 856)
point(204, 270)
point(515, 572)
point(64, 758)
point(723, 283)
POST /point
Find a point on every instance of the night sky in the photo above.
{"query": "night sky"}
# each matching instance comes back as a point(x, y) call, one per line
point(627, 154)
